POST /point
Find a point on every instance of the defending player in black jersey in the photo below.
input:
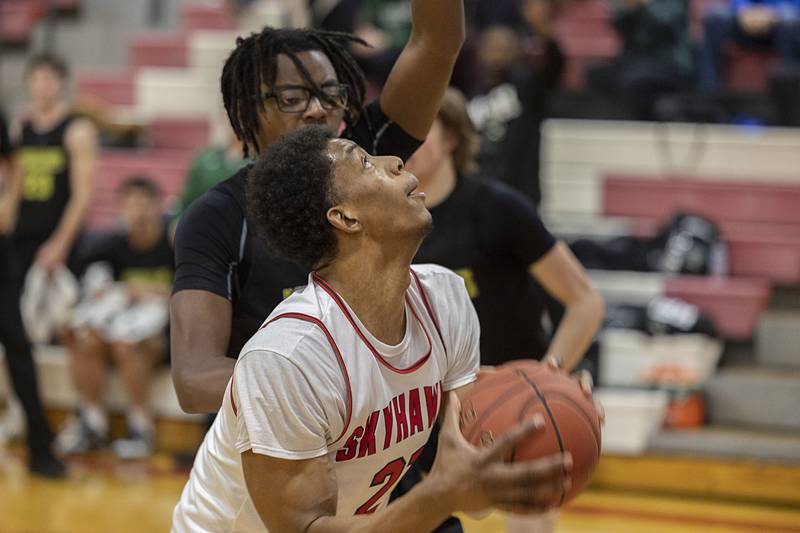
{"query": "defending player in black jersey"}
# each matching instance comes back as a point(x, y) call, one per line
point(41, 214)
point(273, 83)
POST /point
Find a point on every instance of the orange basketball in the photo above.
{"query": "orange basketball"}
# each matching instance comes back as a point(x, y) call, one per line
point(514, 393)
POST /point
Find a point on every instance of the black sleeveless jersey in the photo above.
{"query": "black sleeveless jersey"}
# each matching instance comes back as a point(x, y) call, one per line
point(216, 250)
point(490, 234)
point(44, 160)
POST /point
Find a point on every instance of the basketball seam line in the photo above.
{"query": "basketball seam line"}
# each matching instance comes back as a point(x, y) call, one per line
point(579, 410)
point(531, 401)
point(552, 420)
point(495, 405)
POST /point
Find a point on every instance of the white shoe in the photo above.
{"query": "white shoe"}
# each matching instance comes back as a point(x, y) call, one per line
point(12, 423)
point(78, 438)
point(138, 446)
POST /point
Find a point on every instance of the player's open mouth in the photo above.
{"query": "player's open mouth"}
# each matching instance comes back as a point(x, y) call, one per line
point(411, 194)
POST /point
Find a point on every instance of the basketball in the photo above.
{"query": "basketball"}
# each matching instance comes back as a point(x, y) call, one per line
point(514, 393)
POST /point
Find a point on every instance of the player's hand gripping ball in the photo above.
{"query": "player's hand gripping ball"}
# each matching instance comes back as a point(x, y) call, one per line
point(513, 393)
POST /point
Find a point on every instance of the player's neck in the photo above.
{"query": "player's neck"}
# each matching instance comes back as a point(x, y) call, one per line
point(374, 286)
point(439, 184)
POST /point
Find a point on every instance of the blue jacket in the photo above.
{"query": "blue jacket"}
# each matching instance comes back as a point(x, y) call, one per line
point(784, 8)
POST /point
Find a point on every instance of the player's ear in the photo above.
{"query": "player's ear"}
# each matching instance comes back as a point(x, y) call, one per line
point(343, 219)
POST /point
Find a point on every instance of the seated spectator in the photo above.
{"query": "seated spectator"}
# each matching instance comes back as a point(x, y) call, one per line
point(124, 319)
point(656, 54)
point(510, 102)
point(771, 24)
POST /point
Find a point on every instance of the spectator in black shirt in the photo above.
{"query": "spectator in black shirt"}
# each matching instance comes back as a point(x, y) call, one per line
point(493, 236)
point(124, 320)
point(273, 83)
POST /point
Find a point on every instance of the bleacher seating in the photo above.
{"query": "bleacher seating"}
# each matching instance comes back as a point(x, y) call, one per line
point(167, 167)
point(760, 222)
point(175, 92)
point(586, 36)
point(576, 154)
point(196, 16)
point(747, 71)
point(159, 50)
point(110, 88)
point(770, 251)
point(172, 88)
point(660, 196)
point(17, 20)
point(190, 134)
point(734, 305)
point(208, 50)
point(610, 178)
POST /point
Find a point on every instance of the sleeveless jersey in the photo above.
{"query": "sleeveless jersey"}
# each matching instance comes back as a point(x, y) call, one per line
point(44, 160)
point(313, 382)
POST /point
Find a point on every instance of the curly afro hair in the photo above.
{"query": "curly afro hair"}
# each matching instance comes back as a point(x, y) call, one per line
point(289, 192)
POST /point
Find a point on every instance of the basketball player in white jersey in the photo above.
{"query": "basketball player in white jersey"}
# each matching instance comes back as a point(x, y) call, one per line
point(335, 396)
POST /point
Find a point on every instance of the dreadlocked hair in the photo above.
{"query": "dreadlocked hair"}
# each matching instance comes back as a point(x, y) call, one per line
point(253, 63)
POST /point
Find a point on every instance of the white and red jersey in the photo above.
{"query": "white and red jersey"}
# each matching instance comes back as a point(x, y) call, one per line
point(314, 381)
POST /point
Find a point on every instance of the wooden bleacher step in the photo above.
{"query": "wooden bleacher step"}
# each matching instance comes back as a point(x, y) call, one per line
point(755, 397)
point(705, 478)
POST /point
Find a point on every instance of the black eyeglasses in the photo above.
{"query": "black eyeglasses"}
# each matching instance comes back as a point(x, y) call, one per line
point(296, 99)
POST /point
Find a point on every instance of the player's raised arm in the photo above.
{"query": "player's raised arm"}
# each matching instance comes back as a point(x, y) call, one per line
point(415, 86)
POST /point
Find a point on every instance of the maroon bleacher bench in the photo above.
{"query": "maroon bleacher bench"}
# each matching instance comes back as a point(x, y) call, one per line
point(760, 222)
